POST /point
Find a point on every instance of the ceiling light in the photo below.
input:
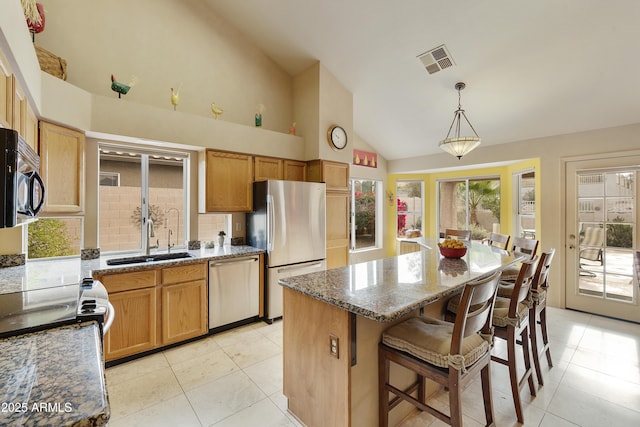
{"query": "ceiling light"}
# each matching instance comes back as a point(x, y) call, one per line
point(459, 145)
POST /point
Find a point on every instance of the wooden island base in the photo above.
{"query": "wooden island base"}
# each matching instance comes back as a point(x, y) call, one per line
point(327, 391)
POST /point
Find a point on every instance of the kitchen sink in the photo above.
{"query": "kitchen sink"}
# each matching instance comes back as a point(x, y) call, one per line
point(148, 258)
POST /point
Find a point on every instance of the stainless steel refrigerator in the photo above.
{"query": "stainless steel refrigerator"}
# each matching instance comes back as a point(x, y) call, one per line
point(288, 221)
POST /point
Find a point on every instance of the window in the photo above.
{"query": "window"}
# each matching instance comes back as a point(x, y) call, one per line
point(365, 214)
point(152, 184)
point(469, 204)
point(111, 179)
point(409, 208)
point(525, 186)
point(54, 237)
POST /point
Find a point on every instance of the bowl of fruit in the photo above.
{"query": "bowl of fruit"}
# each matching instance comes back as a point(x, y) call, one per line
point(452, 248)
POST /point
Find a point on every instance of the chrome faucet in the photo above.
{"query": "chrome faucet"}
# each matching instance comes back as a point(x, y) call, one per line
point(170, 232)
point(150, 234)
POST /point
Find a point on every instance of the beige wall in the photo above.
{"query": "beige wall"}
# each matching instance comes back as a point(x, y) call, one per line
point(167, 43)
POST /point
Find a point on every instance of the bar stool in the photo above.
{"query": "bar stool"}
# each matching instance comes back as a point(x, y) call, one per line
point(499, 240)
point(452, 354)
point(538, 310)
point(458, 234)
point(519, 245)
point(510, 319)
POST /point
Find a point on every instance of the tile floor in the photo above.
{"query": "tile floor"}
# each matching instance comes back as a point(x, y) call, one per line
point(235, 379)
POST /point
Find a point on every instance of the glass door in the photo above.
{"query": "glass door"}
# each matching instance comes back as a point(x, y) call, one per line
point(602, 238)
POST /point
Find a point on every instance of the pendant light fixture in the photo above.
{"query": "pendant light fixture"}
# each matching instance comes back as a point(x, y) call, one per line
point(457, 145)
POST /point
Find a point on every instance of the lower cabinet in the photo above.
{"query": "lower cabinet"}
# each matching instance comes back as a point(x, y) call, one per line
point(134, 328)
point(184, 302)
point(155, 307)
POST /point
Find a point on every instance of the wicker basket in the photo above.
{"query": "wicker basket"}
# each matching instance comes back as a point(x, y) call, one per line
point(52, 64)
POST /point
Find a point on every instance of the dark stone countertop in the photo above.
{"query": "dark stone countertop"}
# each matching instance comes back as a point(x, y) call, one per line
point(54, 377)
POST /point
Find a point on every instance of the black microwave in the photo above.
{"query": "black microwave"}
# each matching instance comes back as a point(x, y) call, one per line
point(22, 189)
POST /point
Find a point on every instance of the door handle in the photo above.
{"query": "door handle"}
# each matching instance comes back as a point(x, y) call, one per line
point(571, 247)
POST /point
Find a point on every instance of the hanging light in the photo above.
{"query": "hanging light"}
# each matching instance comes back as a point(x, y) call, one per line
point(459, 145)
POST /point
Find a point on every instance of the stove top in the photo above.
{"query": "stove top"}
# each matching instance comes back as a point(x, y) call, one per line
point(42, 308)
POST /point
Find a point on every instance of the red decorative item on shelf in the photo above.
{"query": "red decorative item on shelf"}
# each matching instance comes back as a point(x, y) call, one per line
point(35, 22)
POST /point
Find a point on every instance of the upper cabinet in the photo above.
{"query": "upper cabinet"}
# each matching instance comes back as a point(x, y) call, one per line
point(62, 168)
point(19, 108)
point(265, 168)
point(228, 182)
point(15, 111)
point(295, 170)
point(334, 174)
point(274, 168)
point(6, 94)
point(31, 128)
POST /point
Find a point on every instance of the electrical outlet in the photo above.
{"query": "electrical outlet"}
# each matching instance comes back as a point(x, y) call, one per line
point(334, 348)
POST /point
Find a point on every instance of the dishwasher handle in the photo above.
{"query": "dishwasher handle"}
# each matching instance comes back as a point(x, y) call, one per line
point(231, 262)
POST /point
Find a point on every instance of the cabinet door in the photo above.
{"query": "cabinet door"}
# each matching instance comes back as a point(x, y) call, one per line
point(31, 129)
point(6, 94)
point(19, 108)
point(295, 170)
point(62, 168)
point(337, 229)
point(267, 168)
point(229, 182)
point(334, 174)
point(184, 311)
point(134, 328)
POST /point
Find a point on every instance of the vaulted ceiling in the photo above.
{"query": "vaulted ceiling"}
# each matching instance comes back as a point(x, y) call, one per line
point(532, 69)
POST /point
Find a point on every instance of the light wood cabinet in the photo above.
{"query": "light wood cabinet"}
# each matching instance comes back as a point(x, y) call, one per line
point(6, 94)
point(155, 307)
point(31, 129)
point(295, 170)
point(184, 302)
point(62, 168)
point(19, 108)
point(334, 174)
point(336, 177)
point(273, 168)
point(134, 329)
point(337, 229)
point(228, 182)
point(134, 298)
point(265, 168)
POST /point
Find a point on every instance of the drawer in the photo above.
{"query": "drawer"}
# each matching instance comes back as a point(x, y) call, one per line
point(118, 282)
point(184, 273)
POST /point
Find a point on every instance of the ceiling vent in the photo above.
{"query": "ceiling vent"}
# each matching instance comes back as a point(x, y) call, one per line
point(436, 59)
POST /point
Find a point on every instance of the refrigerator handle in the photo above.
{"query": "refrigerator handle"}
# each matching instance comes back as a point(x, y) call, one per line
point(271, 222)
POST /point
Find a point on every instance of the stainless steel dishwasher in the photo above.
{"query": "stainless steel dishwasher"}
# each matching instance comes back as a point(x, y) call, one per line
point(234, 290)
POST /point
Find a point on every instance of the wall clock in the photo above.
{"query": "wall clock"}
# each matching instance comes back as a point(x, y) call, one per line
point(337, 137)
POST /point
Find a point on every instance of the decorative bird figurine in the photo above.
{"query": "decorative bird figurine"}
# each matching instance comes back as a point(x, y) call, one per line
point(175, 98)
point(216, 110)
point(122, 88)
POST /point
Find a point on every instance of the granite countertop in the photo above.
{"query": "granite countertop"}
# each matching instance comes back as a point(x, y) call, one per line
point(54, 377)
point(387, 289)
point(64, 271)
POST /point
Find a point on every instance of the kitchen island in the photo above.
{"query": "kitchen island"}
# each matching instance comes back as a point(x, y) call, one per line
point(333, 321)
